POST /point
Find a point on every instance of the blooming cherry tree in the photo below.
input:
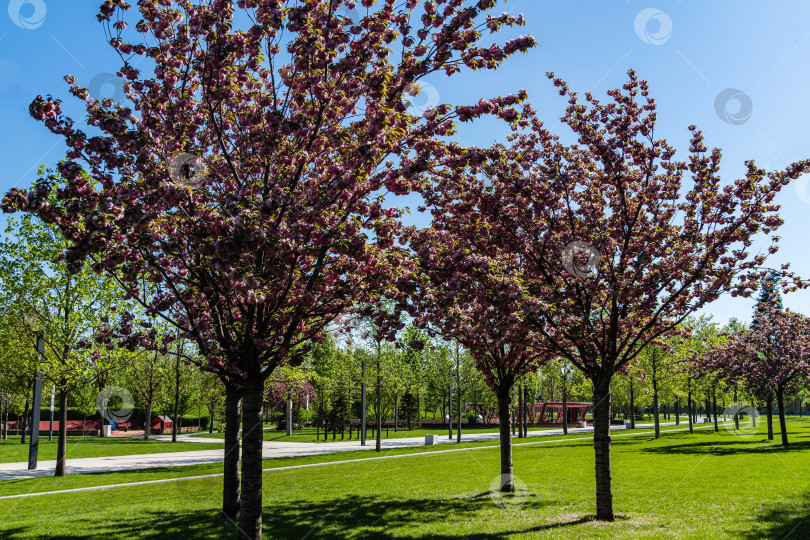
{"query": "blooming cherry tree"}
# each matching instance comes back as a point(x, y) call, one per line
point(243, 179)
point(769, 358)
point(473, 297)
point(617, 240)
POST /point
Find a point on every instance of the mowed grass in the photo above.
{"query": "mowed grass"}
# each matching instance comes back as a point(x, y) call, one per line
point(311, 435)
point(701, 485)
point(12, 451)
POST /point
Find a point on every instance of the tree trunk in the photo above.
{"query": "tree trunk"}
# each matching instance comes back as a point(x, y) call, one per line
point(632, 409)
point(458, 400)
point(230, 483)
point(689, 406)
point(565, 409)
point(504, 421)
point(289, 417)
point(61, 444)
point(378, 446)
point(655, 409)
point(396, 413)
point(250, 510)
point(211, 413)
point(780, 403)
point(601, 446)
point(147, 426)
point(25, 420)
point(769, 413)
point(176, 398)
point(677, 412)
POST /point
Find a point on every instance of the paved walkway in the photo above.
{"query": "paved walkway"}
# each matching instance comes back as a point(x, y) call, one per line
point(271, 449)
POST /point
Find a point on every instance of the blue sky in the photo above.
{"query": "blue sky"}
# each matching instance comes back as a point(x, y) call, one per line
point(691, 52)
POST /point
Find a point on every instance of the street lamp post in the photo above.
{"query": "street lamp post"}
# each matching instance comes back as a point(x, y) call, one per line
point(33, 448)
point(450, 410)
point(50, 424)
point(565, 401)
point(363, 405)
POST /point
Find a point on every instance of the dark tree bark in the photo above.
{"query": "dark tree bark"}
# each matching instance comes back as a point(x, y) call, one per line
point(689, 406)
point(147, 425)
point(504, 414)
point(677, 412)
point(655, 406)
point(565, 407)
point(61, 444)
point(458, 400)
point(769, 414)
point(250, 510)
point(780, 403)
point(175, 426)
point(714, 407)
point(378, 443)
point(230, 484)
point(601, 445)
point(632, 408)
point(25, 419)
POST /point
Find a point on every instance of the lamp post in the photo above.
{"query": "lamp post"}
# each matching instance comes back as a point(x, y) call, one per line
point(50, 423)
point(565, 400)
point(450, 410)
point(363, 405)
point(33, 448)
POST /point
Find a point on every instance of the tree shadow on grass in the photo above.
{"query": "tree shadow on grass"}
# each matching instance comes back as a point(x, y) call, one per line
point(371, 517)
point(361, 517)
point(724, 448)
point(781, 521)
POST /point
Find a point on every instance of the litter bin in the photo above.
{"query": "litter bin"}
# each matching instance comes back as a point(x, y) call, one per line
point(430, 440)
point(106, 430)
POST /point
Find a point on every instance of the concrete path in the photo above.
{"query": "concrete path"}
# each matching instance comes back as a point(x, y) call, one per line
point(271, 449)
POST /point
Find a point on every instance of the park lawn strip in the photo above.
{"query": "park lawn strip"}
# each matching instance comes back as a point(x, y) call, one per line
point(705, 485)
point(308, 435)
point(112, 480)
point(11, 451)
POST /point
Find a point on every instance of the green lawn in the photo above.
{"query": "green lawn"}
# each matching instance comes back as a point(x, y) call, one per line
point(80, 447)
point(705, 485)
point(309, 434)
